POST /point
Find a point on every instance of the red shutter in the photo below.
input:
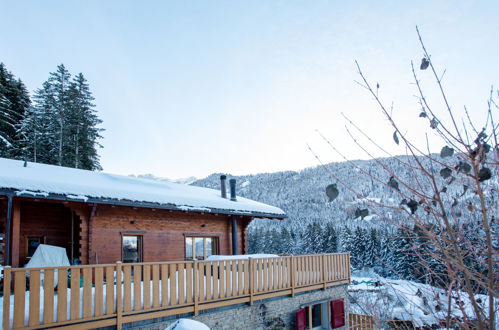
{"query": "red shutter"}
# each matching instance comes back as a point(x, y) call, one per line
point(301, 319)
point(337, 313)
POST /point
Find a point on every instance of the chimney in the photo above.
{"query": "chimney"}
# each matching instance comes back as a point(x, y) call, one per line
point(232, 183)
point(223, 188)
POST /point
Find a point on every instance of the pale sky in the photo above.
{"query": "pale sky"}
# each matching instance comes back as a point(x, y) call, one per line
point(188, 88)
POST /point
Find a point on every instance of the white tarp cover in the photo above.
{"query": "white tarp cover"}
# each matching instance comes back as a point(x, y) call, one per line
point(187, 324)
point(48, 256)
point(41, 180)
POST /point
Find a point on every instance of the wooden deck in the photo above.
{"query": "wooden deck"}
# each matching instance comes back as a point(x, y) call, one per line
point(113, 294)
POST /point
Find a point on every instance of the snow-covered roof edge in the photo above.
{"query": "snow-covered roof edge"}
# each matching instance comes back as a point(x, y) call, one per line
point(43, 181)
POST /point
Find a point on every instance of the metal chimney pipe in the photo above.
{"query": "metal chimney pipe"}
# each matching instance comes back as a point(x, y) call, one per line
point(223, 187)
point(232, 183)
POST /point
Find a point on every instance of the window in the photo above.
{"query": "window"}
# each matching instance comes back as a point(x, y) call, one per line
point(199, 248)
point(32, 243)
point(313, 317)
point(132, 248)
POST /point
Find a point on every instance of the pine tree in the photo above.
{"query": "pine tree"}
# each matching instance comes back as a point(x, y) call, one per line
point(372, 252)
point(330, 240)
point(357, 254)
point(61, 127)
point(286, 241)
point(404, 259)
point(385, 265)
point(82, 123)
point(39, 127)
point(14, 101)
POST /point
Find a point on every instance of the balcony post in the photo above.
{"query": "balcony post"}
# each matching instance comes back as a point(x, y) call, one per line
point(196, 287)
point(292, 271)
point(323, 267)
point(119, 287)
point(251, 286)
point(6, 293)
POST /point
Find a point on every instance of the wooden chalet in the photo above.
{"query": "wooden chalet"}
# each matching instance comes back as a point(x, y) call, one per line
point(139, 251)
point(103, 218)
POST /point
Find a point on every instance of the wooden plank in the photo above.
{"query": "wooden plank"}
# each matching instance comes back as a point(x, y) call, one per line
point(181, 280)
point(216, 282)
point(173, 284)
point(110, 290)
point(335, 267)
point(296, 271)
point(343, 266)
point(326, 267)
point(155, 286)
point(221, 280)
point(7, 282)
point(127, 288)
point(75, 294)
point(307, 270)
point(147, 286)
point(246, 266)
point(201, 281)
point(259, 275)
point(234, 278)
point(98, 284)
point(164, 285)
point(137, 282)
point(265, 268)
point(316, 266)
point(195, 277)
point(208, 265)
point(119, 293)
point(276, 274)
point(227, 278)
point(285, 272)
point(34, 298)
point(48, 296)
point(188, 283)
point(62, 299)
point(87, 292)
point(271, 274)
point(240, 284)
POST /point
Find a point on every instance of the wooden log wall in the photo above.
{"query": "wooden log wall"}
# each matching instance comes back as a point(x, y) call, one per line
point(163, 232)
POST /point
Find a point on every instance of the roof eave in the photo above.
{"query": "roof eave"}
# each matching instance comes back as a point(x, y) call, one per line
point(119, 202)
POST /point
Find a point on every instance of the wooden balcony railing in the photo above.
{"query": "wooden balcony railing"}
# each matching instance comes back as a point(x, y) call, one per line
point(113, 294)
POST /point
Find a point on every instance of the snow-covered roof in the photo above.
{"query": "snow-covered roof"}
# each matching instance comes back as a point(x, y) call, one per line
point(56, 182)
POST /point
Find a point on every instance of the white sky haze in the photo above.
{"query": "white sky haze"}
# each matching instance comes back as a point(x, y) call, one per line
point(195, 87)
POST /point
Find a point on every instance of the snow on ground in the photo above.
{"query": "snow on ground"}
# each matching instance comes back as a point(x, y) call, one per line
point(41, 180)
point(187, 324)
point(406, 300)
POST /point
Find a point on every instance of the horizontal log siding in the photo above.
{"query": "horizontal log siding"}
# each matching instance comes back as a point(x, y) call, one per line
point(163, 232)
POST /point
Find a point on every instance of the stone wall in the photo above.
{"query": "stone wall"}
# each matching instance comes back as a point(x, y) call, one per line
point(274, 313)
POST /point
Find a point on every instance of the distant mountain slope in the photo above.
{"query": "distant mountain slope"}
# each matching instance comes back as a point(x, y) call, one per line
point(302, 195)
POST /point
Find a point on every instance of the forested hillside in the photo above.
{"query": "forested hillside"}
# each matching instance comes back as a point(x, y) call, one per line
point(352, 222)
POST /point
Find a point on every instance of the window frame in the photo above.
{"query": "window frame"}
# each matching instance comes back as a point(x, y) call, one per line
point(140, 243)
point(26, 245)
point(325, 315)
point(214, 250)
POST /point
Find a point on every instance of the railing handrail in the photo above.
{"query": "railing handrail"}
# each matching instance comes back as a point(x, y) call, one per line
point(164, 262)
